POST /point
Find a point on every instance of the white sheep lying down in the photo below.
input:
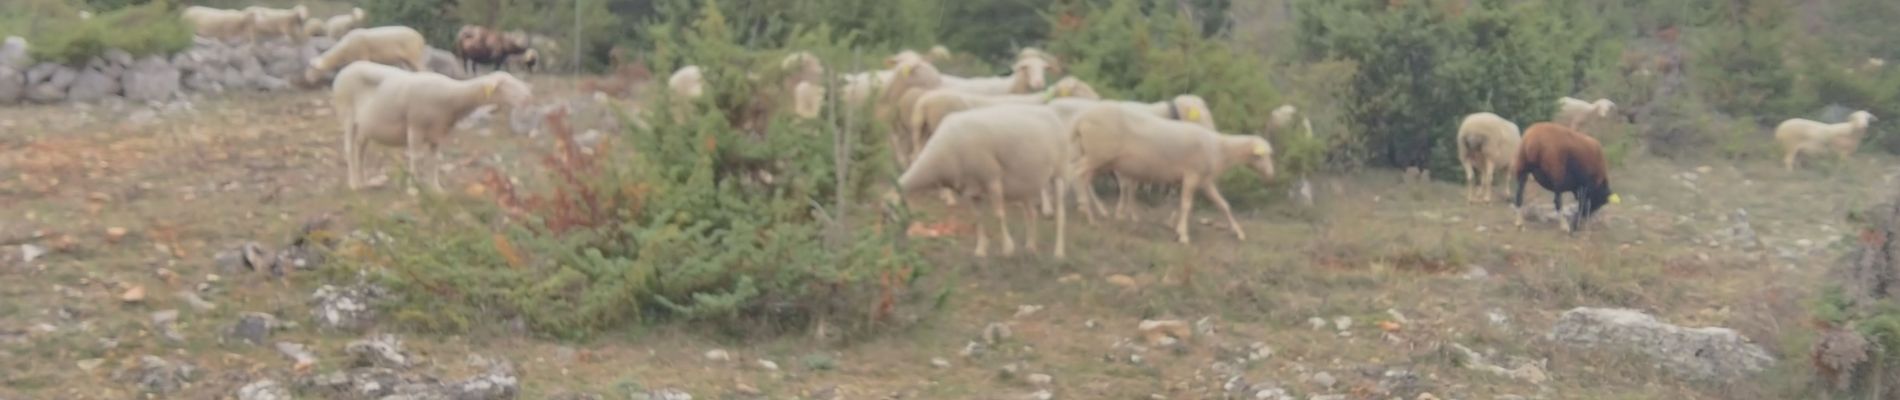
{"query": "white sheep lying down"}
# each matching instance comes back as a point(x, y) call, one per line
point(415, 109)
point(1486, 142)
point(1002, 155)
point(391, 45)
point(1808, 136)
point(1139, 146)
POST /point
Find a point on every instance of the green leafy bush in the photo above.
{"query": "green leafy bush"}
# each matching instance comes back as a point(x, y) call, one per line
point(435, 19)
point(682, 219)
point(57, 34)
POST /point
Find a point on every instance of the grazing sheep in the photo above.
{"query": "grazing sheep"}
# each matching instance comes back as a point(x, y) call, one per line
point(339, 25)
point(930, 109)
point(1573, 112)
point(1009, 154)
point(1487, 142)
point(1803, 135)
point(1563, 160)
point(217, 23)
point(808, 99)
point(420, 109)
point(1186, 108)
point(279, 21)
point(352, 83)
point(391, 45)
point(1139, 146)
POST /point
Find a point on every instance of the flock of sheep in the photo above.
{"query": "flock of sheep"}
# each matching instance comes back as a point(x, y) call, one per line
point(1001, 140)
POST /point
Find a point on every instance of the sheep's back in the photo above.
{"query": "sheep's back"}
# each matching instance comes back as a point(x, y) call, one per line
point(1568, 158)
point(1022, 145)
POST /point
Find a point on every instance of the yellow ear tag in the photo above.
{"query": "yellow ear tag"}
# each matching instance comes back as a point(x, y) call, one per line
point(1193, 115)
point(488, 90)
point(1062, 91)
point(905, 72)
point(1614, 199)
point(1260, 149)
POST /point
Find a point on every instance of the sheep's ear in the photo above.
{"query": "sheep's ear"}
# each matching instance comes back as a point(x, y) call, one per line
point(488, 89)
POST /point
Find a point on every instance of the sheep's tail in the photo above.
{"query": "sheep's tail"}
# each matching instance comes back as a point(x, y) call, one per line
point(1470, 143)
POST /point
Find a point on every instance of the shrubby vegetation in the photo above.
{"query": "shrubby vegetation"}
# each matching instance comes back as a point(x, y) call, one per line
point(57, 34)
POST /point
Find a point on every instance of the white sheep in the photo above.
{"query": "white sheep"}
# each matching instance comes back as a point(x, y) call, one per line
point(1186, 108)
point(1139, 146)
point(339, 25)
point(808, 99)
point(1027, 75)
point(1487, 142)
point(218, 23)
point(930, 109)
point(353, 83)
point(392, 45)
point(313, 27)
point(1803, 135)
point(1282, 119)
point(418, 109)
point(687, 82)
point(1572, 112)
point(1002, 155)
point(280, 21)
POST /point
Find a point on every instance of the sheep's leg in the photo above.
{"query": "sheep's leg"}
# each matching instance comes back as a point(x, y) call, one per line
point(949, 197)
point(1787, 162)
point(1047, 208)
point(1124, 188)
point(1082, 201)
point(1029, 234)
point(1517, 202)
point(1213, 193)
point(982, 240)
point(1002, 216)
point(1062, 222)
point(1188, 185)
point(350, 163)
point(1490, 171)
point(1471, 188)
point(414, 154)
point(1558, 199)
point(435, 169)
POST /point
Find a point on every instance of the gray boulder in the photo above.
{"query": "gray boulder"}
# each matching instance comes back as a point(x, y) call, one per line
point(1717, 354)
point(53, 79)
point(264, 390)
point(118, 58)
point(232, 78)
point(12, 84)
point(92, 85)
point(13, 53)
point(203, 82)
point(153, 78)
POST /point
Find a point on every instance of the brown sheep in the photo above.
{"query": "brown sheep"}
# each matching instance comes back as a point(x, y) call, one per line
point(1563, 160)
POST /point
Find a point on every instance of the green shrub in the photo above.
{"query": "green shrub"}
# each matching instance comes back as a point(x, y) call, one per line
point(1737, 62)
point(435, 19)
point(674, 222)
point(152, 28)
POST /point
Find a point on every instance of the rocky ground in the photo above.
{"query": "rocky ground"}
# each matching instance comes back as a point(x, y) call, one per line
point(146, 251)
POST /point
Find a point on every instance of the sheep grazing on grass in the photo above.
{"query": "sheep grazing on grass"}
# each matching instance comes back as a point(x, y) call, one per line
point(1798, 136)
point(1486, 142)
point(339, 25)
point(390, 45)
point(1185, 108)
point(1573, 112)
point(1139, 146)
point(417, 109)
point(1002, 155)
point(351, 85)
point(479, 45)
point(217, 23)
point(1563, 160)
point(286, 22)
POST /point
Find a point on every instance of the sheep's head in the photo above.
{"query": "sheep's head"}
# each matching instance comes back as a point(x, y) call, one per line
point(359, 14)
point(903, 57)
point(939, 53)
point(1073, 87)
point(1603, 107)
point(687, 82)
point(530, 58)
point(1283, 116)
point(303, 13)
point(1193, 109)
point(1055, 65)
point(503, 88)
point(1861, 119)
point(1030, 74)
point(1259, 154)
point(802, 67)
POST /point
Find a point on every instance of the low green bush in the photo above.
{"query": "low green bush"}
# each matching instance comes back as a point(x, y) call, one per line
point(150, 28)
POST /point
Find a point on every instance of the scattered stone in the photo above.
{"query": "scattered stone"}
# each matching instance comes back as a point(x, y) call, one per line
point(1426, 396)
point(1327, 397)
point(498, 383)
point(743, 389)
point(1476, 273)
point(165, 317)
point(191, 298)
point(1342, 322)
point(300, 356)
point(1272, 393)
point(159, 376)
point(367, 383)
point(1040, 379)
point(134, 295)
point(92, 85)
point(1044, 394)
point(718, 355)
point(1123, 281)
point(1091, 324)
point(1009, 371)
point(1260, 351)
point(1160, 332)
point(768, 365)
point(939, 362)
point(995, 332)
point(28, 252)
point(345, 308)
point(669, 394)
point(254, 327)
point(1317, 323)
point(973, 350)
point(1525, 371)
point(378, 351)
point(1027, 310)
point(263, 390)
point(1701, 353)
point(1324, 379)
point(90, 364)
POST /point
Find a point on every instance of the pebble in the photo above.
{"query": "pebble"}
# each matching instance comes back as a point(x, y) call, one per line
point(1317, 323)
point(1325, 379)
point(995, 333)
point(134, 295)
point(1027, 310)
point(90, 364)
point(1342, 322)
point(1123, 281)
point(165, 317)
point(194, 301)
point(1041, 379)
point(28, 252)
point(1042, 395)
point(939, 362)
point(113, 234)
point(768, 365)
point(718, 355)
